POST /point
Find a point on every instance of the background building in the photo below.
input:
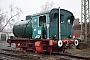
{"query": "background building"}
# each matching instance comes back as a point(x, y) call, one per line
point(5, 35)
point(76, 28)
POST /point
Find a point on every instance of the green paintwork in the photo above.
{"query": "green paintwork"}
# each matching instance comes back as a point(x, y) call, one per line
point(35, 22)
point(38, 25)
point(65, 27)
point(37, 32)
point(46, 25)
point(28, 17)
point(23, 29)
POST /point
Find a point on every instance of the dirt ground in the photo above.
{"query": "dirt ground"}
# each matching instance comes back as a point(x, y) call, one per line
point(83, 50)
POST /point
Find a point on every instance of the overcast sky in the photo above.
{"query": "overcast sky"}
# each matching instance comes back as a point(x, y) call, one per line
point(30, 7)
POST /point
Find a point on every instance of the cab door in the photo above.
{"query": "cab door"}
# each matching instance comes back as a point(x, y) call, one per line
point(54, 26)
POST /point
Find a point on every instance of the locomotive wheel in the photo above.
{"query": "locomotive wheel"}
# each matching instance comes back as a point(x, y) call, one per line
point(60, 43)
point(76, 42)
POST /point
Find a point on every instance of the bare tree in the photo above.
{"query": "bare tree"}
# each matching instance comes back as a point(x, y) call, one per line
point(14, 13)
point(2, 18)
point(47, 6)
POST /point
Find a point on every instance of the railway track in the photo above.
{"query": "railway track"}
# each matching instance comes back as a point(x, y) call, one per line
point(19, 54)
point(33, 56)
point(73, 56)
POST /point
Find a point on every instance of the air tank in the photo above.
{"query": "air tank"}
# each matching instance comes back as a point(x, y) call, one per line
point(23, 29)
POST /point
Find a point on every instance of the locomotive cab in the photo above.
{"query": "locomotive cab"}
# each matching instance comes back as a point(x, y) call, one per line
point(66, 19)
